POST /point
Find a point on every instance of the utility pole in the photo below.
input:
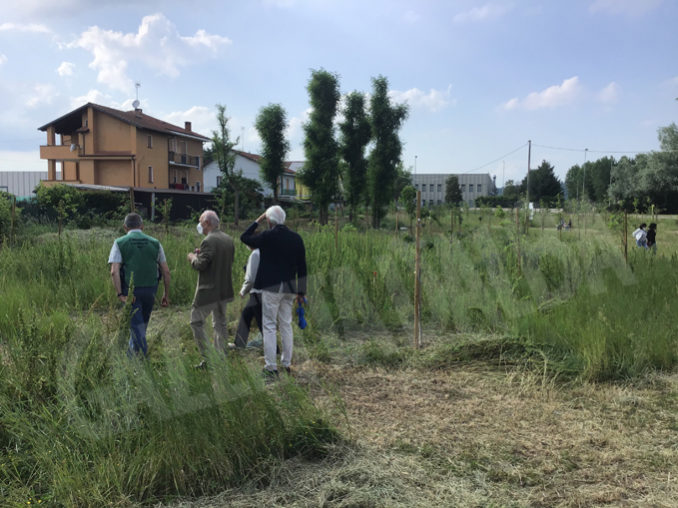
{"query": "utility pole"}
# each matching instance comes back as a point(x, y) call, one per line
point(583, 183)
point(529, 155)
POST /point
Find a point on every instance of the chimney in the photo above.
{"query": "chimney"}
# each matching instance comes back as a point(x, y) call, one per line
point(137, 112)
point(187, 126)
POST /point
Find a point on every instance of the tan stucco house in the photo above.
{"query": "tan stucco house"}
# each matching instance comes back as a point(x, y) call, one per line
point(102, 146)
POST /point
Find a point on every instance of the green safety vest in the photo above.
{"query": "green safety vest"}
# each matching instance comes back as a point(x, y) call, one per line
point(139, 259)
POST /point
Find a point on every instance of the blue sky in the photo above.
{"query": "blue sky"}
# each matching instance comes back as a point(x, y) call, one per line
point(480, 77)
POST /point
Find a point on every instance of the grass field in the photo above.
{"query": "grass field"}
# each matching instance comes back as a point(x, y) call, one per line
point(546, 377)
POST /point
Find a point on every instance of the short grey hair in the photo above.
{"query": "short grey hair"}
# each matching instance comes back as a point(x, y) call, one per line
point(133, 221)
point(211, 217)
point(275, 215)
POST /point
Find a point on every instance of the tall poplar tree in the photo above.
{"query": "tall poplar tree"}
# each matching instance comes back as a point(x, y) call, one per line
point(222, 153)
point(355, 135)
point(385, 120)
point(321, 170)
point(270, 124)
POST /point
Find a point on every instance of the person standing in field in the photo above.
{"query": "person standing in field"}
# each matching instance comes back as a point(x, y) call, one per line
point(640, 235)
point(139, 260)
point(281, 278)
point(213, 262)
point(652, 237)
point(253, 307)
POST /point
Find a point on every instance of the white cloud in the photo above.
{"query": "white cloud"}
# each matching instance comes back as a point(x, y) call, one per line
point(157, 45)
point(552, 97)
point(96, 97)
point(24, 27)
point(3, 59)
point(625, 7)
point(203, 120)
point(65, 69)
point(295, 128)
point(485, 12)
point(433, 100)
point(610, 94)
point(42, 93)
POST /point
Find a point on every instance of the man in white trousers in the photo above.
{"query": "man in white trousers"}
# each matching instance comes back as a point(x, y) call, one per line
point(282, 280)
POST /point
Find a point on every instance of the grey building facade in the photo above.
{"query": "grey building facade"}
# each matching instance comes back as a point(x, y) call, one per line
point(473, 186)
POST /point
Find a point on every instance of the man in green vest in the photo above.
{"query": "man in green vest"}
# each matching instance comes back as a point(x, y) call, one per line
point(139, 260)
point(213, 262)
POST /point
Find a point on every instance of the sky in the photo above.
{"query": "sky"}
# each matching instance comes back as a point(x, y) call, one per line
point(581, 79)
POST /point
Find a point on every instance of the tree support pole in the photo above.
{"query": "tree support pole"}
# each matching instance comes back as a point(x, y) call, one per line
point(417, 277)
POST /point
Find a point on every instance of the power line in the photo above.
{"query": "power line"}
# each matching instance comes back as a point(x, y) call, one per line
point(597, 151)
point(498, 158)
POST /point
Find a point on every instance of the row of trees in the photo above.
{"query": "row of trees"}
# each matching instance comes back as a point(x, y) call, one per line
point(631, 182)
point(332, 163)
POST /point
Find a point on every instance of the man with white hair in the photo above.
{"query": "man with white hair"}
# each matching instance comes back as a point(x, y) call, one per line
point(281, 278)
point(213, 260)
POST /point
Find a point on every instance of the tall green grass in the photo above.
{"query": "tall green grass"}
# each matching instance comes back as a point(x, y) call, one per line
point(83, 425)
point(80, 424)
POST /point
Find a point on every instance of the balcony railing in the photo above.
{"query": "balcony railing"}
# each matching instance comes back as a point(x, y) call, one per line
point(184, 159)
point(288, 192)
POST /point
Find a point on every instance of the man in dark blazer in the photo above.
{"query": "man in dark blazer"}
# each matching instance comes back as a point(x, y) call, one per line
point(282, 280)
point(213, 261)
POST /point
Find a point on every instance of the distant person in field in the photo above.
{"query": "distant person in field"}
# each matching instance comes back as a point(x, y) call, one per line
point(213, 262)
point(253, 306)
point(640, 235)
point(281, 278)
point(138, 259)
point(652, 237)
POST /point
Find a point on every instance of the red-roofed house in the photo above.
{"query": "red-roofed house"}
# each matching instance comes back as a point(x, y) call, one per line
point(102, 146)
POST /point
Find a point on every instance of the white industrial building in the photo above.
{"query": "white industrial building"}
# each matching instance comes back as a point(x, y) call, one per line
point(473, 186)
point(21, 183)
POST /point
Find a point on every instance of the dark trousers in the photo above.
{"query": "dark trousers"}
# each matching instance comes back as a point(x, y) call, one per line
point(142, 306)
point(252, 310)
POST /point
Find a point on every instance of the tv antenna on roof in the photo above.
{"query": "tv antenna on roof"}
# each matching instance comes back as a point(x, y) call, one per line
point(136, 102)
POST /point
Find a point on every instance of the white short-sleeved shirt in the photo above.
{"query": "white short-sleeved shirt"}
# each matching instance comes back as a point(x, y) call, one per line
point(115, 255)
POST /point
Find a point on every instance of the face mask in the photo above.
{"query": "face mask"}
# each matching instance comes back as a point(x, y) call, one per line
point(199, 228)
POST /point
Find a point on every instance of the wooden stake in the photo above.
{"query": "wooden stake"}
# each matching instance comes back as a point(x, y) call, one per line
point(12, 233)
point(625, 239)
point(417, 274)
point(396, 210)
point(336, 229)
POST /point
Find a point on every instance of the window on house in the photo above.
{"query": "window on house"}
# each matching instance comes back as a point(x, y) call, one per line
point(463, 187)
point(218, 181)
point(150, 141)
point(431, 187)
point(150, 174)
point(470, 187)
point(478, 187)
point(416, 186)
point(440, 187)
point(197, 186)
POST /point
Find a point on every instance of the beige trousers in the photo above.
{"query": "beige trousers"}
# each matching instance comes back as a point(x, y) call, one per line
point(198, 317)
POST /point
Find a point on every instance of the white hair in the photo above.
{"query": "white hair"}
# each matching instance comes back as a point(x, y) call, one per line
point(211, 217)
point(275, 215)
